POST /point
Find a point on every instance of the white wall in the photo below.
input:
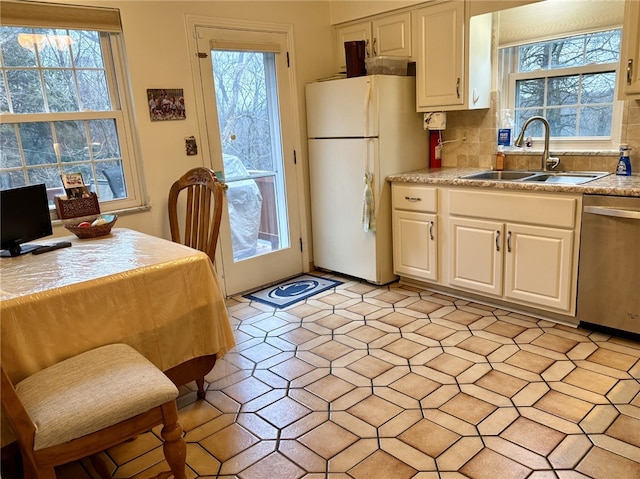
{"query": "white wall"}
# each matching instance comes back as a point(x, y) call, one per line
point(346, 11)
point(158, 57)
point(342, 11)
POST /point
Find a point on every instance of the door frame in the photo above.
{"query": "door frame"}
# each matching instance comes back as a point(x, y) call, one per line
point(194, 21)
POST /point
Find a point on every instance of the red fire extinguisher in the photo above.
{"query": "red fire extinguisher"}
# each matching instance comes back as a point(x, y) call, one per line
point(435, 149)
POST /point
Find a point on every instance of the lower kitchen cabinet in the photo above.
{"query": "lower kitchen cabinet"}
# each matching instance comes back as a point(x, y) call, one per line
point(475, 255)
point(511, 261)
point(415, 237)
point(415, 234)
point(519, 247)
point(538, 268)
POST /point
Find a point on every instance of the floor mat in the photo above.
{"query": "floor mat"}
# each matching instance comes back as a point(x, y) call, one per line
point(292, 290)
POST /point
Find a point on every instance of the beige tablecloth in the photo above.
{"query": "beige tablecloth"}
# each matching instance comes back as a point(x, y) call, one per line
point(160, 297)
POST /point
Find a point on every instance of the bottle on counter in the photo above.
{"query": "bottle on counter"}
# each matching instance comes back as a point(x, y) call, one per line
point(500, 158)
point(528, 143)
point(505, 131)
point(624, 164)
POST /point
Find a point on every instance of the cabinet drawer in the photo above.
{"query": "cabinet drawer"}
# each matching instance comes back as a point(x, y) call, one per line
point(414, 198)
point(536, 208)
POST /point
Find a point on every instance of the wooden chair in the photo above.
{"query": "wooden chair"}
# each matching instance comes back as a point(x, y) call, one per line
point(89, 403)
point(203, 210)
point(202, 219)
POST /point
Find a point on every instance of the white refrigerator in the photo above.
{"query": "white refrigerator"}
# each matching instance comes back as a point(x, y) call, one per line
point(357, 128)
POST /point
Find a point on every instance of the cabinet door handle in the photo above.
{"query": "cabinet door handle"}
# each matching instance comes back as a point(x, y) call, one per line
point(431, 230)
point(412, 198)
point(366, 49)
point(374, 47)
point(629, 70)
point(498, 240)
point(509, 241)
point(458, 87)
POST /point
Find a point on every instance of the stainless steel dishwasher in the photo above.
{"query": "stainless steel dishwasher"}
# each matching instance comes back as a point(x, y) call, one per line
point(609, 269)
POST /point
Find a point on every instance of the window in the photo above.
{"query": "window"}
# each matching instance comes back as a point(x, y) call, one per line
point(571, 82)
point(62, 106)
point(246, 90)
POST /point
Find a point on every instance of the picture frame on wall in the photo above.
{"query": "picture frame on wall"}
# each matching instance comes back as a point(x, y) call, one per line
point(166, 104)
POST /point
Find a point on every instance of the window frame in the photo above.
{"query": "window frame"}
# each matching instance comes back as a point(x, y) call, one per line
point(509, 75)
point(121, 112)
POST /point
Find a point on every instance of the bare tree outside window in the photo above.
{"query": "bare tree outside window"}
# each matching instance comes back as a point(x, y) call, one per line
point(246, 92)
point(61, 79)
point(570, 81)
point(243, 110)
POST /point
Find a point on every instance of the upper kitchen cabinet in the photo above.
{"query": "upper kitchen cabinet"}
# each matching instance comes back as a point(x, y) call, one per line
point(392, 35)
point(385, 35)
point(629, 77)
point(453, 65)
point(351, 33)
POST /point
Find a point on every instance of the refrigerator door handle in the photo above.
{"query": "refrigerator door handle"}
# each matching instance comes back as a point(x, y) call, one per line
point(367, 102)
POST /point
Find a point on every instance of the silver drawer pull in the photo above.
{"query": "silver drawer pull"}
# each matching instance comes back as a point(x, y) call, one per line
point(412, 198)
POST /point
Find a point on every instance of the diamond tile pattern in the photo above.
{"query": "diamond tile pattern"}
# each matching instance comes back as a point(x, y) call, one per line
point(394, 382)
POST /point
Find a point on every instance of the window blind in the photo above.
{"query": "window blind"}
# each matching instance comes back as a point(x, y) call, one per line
point(50, 15)
point(557, 18)
point(244, 46)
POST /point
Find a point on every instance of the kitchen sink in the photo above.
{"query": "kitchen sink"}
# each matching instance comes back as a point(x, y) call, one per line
point(499, 175)
point(569, 177)
point(556, 177)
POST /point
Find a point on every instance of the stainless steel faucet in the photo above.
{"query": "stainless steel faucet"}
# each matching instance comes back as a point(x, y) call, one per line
point(547, 161)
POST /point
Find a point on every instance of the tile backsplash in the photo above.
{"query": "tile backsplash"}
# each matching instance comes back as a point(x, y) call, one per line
point(478, 150)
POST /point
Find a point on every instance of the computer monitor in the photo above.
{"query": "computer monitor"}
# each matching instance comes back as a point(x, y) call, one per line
point(24, 217)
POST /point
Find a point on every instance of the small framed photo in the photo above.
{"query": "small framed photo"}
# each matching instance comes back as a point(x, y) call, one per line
point(166, 104)
point(74, 185)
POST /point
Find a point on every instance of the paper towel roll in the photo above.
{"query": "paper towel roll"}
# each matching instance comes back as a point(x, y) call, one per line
point(435, 121)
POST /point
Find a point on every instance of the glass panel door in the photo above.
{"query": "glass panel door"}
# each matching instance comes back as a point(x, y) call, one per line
point(249, 123)
point(248, 109)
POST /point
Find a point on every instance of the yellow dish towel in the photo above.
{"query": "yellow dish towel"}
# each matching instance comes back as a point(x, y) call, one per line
point(368, 204)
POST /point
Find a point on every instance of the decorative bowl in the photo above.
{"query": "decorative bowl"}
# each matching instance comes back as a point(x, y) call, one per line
point(84, 232)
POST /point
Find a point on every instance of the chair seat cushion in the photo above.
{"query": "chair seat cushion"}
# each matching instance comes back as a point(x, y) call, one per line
point(91, 391)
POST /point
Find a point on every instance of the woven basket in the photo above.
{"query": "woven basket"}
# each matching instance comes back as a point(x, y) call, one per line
point(92, 231)
point(77, 207)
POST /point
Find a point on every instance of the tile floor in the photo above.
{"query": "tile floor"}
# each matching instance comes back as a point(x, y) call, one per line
point(393, 382)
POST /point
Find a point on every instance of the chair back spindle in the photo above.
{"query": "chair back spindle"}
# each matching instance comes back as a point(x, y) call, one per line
point(203, 210)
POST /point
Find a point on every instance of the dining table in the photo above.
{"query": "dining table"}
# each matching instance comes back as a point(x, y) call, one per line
point(160, 297)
